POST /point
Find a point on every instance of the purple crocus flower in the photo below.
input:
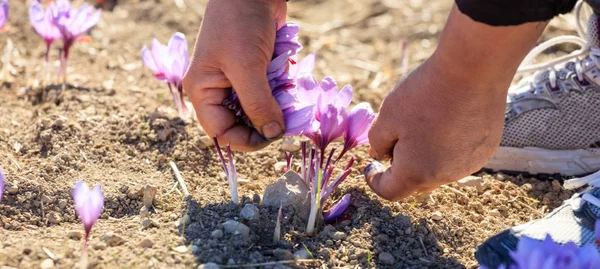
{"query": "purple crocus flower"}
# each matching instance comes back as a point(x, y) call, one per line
point(3, 13)
point(2, 179)
point(359, 121)
point(88, 205)
point(72, 23)
point(169, 63)
point(338, 209)
point(42, 23)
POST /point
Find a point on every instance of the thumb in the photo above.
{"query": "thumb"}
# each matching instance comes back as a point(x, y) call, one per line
point(387, 183)
point(252, 87)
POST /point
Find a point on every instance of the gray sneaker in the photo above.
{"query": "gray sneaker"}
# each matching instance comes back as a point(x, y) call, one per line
point(552, 123)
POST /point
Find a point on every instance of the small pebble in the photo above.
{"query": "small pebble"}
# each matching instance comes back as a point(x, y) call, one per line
point(195, 249)
point(279, 166)
point(146, 243)
point(256, 198)
point(283, 254)
point(236, 228)
point(210, 265)
point(386, 258)
point(75, 235)
point(437, 215)
point(143, 212)
point(112, 239)
point(149, 195)
point(494, 213)
point(47, 264)
point(62, 203)
point(99, 245)
point(250, 212)
point(217, 234)
point(181, 249)
point(338, 235)
point(185, 220)
point(148, 223)
point(13, 189)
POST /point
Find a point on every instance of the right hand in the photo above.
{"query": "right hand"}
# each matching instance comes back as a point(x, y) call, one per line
point(234, 48)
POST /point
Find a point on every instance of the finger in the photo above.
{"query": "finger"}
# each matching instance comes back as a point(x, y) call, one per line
point(387, 183)
point(382, 141)
point(257, 100)
point(216, 119)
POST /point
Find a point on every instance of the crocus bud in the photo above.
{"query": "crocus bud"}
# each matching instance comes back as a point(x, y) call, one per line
point(88, 205)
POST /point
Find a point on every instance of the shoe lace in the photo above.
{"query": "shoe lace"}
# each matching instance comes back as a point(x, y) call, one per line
point(593, 181)
point(579, 40)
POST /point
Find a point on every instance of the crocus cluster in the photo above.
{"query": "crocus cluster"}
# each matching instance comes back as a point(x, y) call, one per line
point(169, 63)
point(230, 172)
point(3, 13)
point(62, 21)
point(548, 254)
point(2, 179)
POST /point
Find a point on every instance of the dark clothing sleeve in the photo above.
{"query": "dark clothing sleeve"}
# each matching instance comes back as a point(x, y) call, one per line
point(513, 12)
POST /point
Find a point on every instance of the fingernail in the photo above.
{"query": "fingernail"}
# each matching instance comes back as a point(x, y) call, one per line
point(272, 130)
point(372, 169)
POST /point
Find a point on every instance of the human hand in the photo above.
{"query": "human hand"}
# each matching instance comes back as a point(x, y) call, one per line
point(233, 49)
point(445, 120)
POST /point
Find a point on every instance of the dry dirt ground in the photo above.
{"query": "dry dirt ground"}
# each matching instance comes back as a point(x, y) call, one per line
point(114, 125)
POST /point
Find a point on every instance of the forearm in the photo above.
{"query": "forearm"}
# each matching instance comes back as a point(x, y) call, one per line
point(480, 55)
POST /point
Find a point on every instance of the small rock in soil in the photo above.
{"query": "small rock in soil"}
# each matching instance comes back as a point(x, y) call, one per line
point(195, 249)
point(12, 189)
point(494, 213)
point(386, 258)
point(217, 234)
point(143, 212)
point(437, 215)
point(148, 223)
point(62, 203)
point(283, 254)
point(112, 239)
point(210, 265)
point(149, 195)
point(288, 190)
point(256, 198)
point(250, 212)
point(470, 181)
point(180, 249)
point(236, 228)
point(54, 218)
point(338, 235)
point(47, 264)
point(99, 245)
point(302, 254)
point(146, 243)
point(75, 235)
point(205, 142)
point(290, 145)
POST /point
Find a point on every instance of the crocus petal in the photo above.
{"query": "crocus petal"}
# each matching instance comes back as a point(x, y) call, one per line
point(359, 121)
point(2, 179)
point(88, 204)
point(306, 66)
point(308, 89)
point(41, 20)
point(149, 60)
point(329, 88)
point(344, 97)
point(3, 15)
point(338, 209)
point(298, 121)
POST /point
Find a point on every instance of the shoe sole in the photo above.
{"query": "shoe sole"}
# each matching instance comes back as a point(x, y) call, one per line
point(538, 161)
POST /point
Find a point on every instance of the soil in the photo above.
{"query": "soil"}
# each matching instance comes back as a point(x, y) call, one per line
point(114, 125)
